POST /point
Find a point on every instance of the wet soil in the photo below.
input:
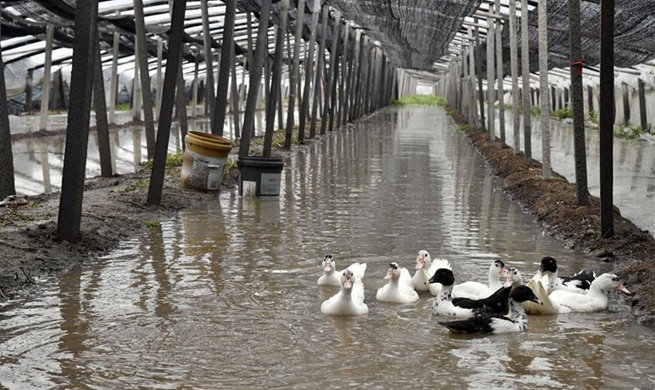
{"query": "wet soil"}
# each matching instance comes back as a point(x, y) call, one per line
point(114, 209)
point(553, 202)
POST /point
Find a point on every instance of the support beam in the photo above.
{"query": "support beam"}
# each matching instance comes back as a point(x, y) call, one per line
point(79, 115)
point(276, 77)
point(218, 121)
point(102, 125)
point(579, 142)
point(626, 103)
point(543, 95)
point(491, 92)
point(320, 63)
point(500, 76)
point(343, 70)
point(144, 73)
point(309, 72)
point(7, 184)
point(294, 74)
point(209, 64)
point(255, 78)
point(642, 106)
point(235, 92)
point(525, 64)
point(478, 67)
point(607, 118)
point(328, 109)
point(45, 90)
point(514, 64)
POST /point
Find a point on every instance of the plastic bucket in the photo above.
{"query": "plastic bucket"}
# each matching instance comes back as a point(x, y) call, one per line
point(260, 176)
point(204, 159)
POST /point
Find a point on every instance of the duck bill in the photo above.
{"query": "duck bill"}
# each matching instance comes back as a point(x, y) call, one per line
point(503, 272)
point(420, 264)
point(624, 290)
point(328, 268)
point(389, 274)
point(535, 300)
point(347, 284)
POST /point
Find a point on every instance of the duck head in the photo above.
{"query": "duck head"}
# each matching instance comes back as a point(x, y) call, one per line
point(393, 271)
point(423, 260)
point(548, 264)
point(498, 267)
point(610, 282)
point(328, 263)
point(524, 293)
point(347, 279)
point(443, 276)
point(514, 277)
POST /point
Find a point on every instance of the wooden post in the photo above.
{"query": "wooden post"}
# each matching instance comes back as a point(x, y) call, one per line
point(328, 109)
point(77, 132)
point(352, 78)
point(219, 110)
point(491, 92)
point(194, 88)
point(235, 92)
point(113, 82)
point(320, 63)
point(478, 67)
point(473, 120)
point(276, 77)
point(28, 91)
point(209, 62)
point(543, 85)
point(7, 184)
point(255, 78)
point(579, 142)
point(309, 66)
point(343, 70)
point(514, 63)
point(590, 98)
point(181, 103)
point(606, 118)
point(170, 80)
point(525, 64)
point(144, 73)
point(160, 80)
point(500, 76)
point(102, 126)
point(642, 106)
point(626, 104)
point(45, 91)
point(294, 75)
point(136, 86)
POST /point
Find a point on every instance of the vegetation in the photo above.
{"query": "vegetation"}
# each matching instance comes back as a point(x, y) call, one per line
point(123, 107)
point(152, 224)
point(279, 135)
point(462, 127)
point(419, 100)
point(142, 183)
point(173, 161)
point(630, 132)
point(566, 112)
point(593, 117)
point(535, 110)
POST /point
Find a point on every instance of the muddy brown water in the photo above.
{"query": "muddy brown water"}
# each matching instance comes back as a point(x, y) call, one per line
point(225, 296)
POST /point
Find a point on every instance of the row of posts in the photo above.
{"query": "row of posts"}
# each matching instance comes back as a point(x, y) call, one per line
point(458, 86)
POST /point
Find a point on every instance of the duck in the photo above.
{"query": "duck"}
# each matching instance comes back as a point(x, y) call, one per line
point(595, 299)
point(332, 277)
point(547, 305)
point(578, 283)
point(350, 300)
point(515, 321)
point(477, 290)
point(425, 268)
point(443, 304)
point(498, 302)
point(400, 288)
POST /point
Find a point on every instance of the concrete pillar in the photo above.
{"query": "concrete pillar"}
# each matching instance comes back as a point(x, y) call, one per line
point(525, 64)
point(543, 85)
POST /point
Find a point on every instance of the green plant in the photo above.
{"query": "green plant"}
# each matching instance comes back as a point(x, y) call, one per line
point(629, 132)
point(462, 127)
point(123, 107)
point(593, 117)
point(535, 110)
point(141, 183)
point(566, 112)
point(152, 224)
point(174, 160)
point(419, 100)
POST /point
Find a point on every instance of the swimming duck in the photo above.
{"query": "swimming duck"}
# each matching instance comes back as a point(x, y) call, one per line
point(400, 288)
point(515, 321)
point(578, 283)
point(498, 302)
point(477, 290)
point(425, 268)
point(547, 305)
point(595, 299)
point(332, 277)
point(443, 304)
point(350, 300)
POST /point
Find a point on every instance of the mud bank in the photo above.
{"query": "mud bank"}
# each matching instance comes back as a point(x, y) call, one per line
point(553, 202)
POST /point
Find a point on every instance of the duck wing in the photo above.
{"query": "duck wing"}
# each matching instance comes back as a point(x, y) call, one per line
point(358, 269)
point(548, 306)
point(581, 280)
point(478, 324)
point(473, 290)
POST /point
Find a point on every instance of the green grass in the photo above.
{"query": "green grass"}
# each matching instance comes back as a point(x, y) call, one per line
point(137, 186)
point(593, 117)
point(152, 224)
point(534, 110)
point(419, 100)
point(462, 127)
point(174, 160)
point(564, 113)
point(123, 107)
point(630, 132)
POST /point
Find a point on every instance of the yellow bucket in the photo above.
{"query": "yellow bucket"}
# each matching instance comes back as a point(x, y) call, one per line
point(204, 159)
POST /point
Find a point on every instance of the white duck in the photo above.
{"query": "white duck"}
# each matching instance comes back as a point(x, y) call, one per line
point(425, 268)
point(477, 290)
point(400, 288)
point(443, 304)
point(332, 277)
point(350, 300)
point(515, 321)
point(594, 300)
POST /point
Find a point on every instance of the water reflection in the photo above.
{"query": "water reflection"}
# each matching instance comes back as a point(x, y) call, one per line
point(226, 295)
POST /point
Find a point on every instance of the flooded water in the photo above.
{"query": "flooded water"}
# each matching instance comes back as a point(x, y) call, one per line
point(225, 296)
